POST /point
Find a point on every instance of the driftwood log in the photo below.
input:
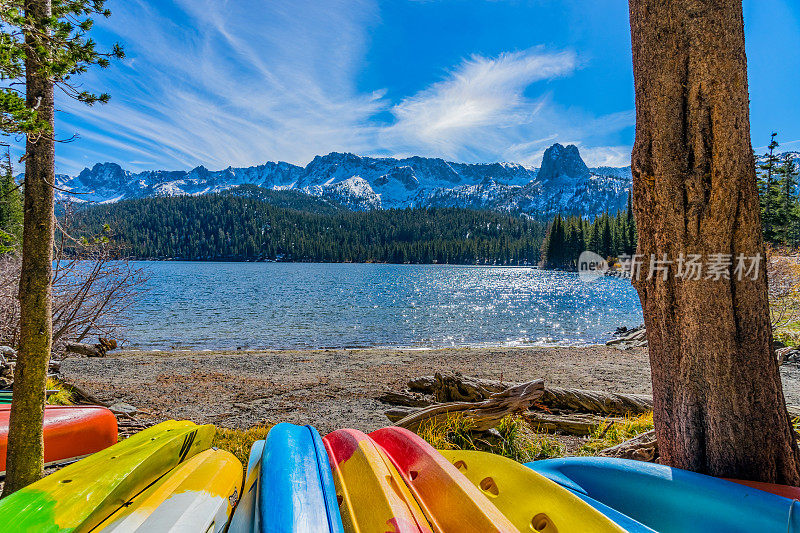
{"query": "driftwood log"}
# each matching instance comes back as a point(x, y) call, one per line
point(400, 412)
point(483, 415)
point(92, 350)
point(459, 388)
point(572, 424)
point(407, 399)
point(598, 402)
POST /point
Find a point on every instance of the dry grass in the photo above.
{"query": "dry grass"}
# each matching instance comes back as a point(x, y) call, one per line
point(516, 440)
point(239, 442)
point(62, 397)
point(613, 433)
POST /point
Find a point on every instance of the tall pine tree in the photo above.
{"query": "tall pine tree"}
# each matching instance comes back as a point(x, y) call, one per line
point(45, 44)
point(768, 190)
point(10, 208)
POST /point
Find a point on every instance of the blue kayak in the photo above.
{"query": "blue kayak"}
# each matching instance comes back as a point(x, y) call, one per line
point(289, 485)
point(671, 500)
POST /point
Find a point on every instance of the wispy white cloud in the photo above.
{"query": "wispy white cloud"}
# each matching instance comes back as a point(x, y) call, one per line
point(480, 101)
point(239, 83)
point(221, 83)
point(482, 111)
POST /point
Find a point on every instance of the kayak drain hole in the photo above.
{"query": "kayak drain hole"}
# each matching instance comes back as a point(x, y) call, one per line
point(413, 474)
point(488, 485)
point(339, 499)
point(461, 465)
point(542, 523)
point(66, 481)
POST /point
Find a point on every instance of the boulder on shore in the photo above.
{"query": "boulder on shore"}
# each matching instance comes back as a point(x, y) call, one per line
point(629, 338)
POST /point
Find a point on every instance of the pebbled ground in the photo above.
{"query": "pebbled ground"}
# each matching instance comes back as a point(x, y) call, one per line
point(331, 389)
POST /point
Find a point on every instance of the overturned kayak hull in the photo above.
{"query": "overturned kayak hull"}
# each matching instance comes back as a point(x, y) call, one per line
point(448, 499)
point(671, 500)
point(83, 494)
point(289, 488)
point(70, 432)
point(526, 498)
point(245, 518)
point(197, 495)
point(372, 494)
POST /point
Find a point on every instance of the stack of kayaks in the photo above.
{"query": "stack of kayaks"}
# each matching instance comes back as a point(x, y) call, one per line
point(153, 481)
point(389, 481)
point(393, 481)
point(70, 432)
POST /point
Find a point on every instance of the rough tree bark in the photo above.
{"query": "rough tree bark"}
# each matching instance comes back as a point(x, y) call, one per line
point(25, 443)
point(718, 402)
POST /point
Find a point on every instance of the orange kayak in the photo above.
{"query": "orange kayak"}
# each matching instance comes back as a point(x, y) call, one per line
point(447, 497)
point(70, 432)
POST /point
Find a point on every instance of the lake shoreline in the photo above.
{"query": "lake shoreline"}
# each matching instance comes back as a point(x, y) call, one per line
point(331, 389)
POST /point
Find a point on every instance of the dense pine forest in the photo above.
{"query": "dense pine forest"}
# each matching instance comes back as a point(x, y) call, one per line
point(249, 227)
point(606, 235)
point(254, 224)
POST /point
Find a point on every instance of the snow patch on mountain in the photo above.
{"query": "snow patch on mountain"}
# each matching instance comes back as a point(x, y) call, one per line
point(563, 183)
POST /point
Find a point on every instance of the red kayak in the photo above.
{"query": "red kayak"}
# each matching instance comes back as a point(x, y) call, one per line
point(70, 432)
point(787, 491)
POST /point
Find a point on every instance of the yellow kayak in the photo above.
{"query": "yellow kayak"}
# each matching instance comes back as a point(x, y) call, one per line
point(373, 496)
point(80, 496)
point(197, 495)
point(529, 500)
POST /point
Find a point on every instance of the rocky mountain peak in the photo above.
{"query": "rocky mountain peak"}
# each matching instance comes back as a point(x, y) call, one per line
point(103, 174)
point(563, 184)
point(562, 160)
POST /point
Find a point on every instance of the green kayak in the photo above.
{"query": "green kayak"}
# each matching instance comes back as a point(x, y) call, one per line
point(83, 494)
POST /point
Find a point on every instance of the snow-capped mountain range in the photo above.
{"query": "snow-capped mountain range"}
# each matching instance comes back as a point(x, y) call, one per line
point(562, 184)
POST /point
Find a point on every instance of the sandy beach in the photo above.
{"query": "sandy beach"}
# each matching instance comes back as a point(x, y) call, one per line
point(337, 388)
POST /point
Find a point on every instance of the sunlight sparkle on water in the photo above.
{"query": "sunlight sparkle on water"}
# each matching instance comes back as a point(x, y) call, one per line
point(288, 305)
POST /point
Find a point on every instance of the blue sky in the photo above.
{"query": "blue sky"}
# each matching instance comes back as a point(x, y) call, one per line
point(219, 83)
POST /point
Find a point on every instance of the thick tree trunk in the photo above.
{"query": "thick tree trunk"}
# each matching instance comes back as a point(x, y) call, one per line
point(25, 444)
point(719, 407)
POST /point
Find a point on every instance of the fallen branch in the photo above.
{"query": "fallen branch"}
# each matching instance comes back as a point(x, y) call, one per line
point(398, 413)
point(598, 402)
point(571, 424)
point(404, 398)
point(483, 415)
point(459, 388)
point(92, 350)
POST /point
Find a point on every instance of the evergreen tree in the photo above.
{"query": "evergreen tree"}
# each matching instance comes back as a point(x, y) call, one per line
point(10, 209)
point(567, 238)
point(606, 241)
point(786, 231)
point(45, 44)
point(768, 190)
point(554, 244)
point(630, 226)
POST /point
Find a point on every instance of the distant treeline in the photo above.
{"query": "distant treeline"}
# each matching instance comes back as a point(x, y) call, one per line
point(249, 227)
point(607, 235)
